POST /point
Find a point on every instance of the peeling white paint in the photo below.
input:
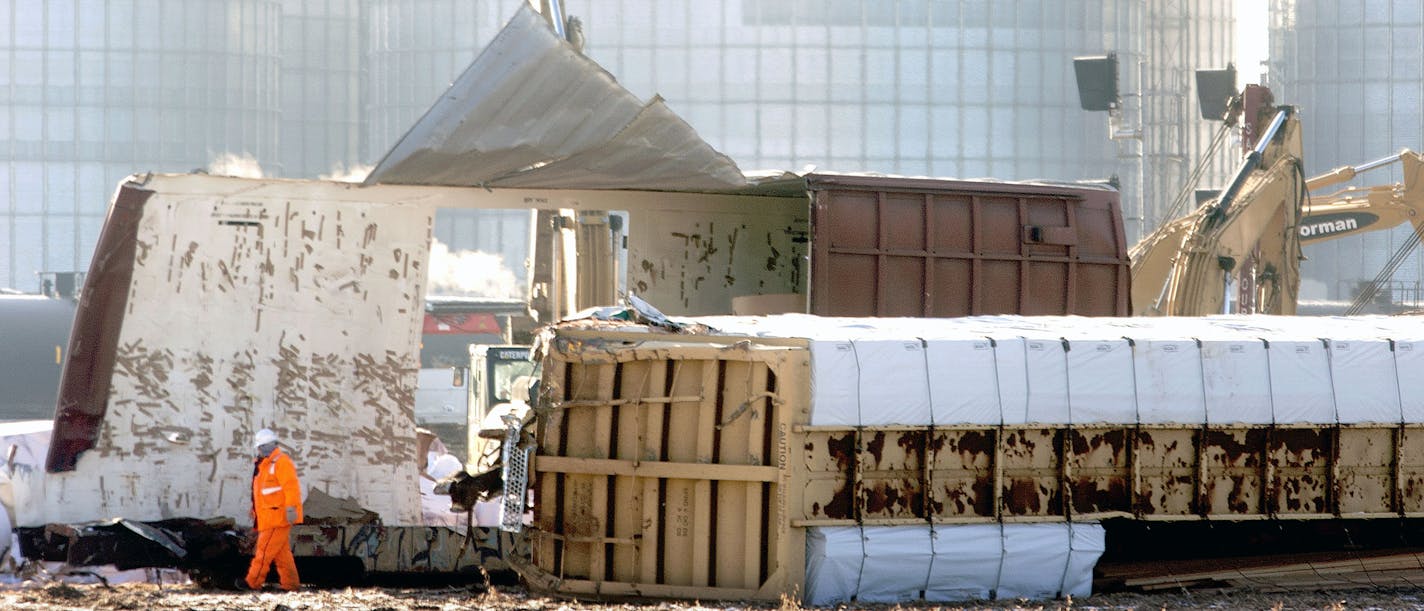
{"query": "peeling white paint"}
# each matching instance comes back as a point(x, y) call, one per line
point(694, 264)
point(258, 308)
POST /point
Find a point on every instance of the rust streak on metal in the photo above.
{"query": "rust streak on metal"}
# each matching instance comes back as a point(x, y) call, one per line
point(841, 506)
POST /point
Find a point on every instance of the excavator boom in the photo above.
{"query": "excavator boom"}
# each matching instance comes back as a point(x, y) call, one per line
point(1241, 252)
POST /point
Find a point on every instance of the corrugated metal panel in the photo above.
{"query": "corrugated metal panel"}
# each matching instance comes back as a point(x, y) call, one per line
point(533, 111)
point(906, 247)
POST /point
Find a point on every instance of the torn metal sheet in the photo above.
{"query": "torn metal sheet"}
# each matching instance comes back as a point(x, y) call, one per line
point(532, 111)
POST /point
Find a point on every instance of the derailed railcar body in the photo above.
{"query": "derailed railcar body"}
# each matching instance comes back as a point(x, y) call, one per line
point(886, 460)
point(207, 314)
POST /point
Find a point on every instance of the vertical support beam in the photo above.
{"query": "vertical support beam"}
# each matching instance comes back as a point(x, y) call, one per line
point(755, 418)
point(702, 509)
point(1270, 474)
point(881, 260)
point(679, 503)
point(976, 265)
point(601, 510)
point(1396, 471)
point(998, 468)
point(634, 384)
point(650, 447)
point(1335, 493)
point(1025, 280)
point(1203, 496)
point(793, 383)
point(1135, 502)
point(548, 551)
point(1065, 469)
point(927, 456)
point(927, 303)
point(1070, 292)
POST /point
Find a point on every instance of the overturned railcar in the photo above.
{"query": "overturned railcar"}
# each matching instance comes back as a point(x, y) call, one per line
point(890, 460)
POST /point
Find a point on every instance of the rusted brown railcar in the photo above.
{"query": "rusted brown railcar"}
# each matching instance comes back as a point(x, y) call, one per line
point(898, 246)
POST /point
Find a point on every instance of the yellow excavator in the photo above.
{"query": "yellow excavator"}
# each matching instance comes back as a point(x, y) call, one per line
point(1241, 252)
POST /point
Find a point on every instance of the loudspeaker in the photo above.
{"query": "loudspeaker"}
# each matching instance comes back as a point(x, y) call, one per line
point(1214, 89)
point(1097, 81)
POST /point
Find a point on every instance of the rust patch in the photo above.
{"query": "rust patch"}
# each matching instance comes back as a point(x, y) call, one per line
point(973, 443)
point(1236, 452)
point(842, 503)
point(876, 447)
point(1304, 445)
point(1023, 497)
point(886, 498)
point(1094, 495)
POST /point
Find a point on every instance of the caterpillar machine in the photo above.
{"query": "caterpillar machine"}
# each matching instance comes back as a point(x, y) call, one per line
point(1241, 251)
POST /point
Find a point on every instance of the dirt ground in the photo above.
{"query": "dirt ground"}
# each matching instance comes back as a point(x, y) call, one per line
point(147, 597)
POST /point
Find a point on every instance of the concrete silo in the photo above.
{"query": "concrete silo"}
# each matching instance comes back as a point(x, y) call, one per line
point(98, 89)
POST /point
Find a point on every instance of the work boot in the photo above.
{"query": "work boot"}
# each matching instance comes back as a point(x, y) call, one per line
point(240, 584)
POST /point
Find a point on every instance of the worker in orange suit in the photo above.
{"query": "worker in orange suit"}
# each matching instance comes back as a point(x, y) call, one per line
point(276, 506)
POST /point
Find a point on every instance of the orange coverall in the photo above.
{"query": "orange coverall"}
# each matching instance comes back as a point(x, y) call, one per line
point(274, 489)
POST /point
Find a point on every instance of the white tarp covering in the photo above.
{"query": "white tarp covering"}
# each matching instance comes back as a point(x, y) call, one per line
point(1252, 370)
point(1168, 373)
point(1301, 396)
point(1409, 356)
point(1236, 382)
point(895, 564)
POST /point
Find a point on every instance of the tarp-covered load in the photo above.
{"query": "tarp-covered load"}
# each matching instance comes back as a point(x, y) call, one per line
point(941, 459)
point(1070, 370)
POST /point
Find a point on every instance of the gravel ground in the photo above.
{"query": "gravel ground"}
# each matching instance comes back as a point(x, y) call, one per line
point(147, 597)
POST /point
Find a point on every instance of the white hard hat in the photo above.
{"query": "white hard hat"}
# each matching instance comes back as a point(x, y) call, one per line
point(264, 437)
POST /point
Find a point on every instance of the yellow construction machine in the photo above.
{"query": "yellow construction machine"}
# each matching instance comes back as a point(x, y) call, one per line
point(1241, 252)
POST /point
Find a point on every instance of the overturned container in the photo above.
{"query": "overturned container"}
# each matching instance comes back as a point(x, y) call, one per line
point(888, 460)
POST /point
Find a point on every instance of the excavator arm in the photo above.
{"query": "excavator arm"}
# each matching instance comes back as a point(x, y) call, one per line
point(1356, 210)
point(1241, 252)
point(1238, 253)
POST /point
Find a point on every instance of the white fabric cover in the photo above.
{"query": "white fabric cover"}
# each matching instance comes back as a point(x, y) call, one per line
point(1014, 370)
point(1237, 382)
point(1365, 383)
point(833, 561)
point(1035, 560)
point(835, 384)
point(966, 562)
point(1300, 394)
point(1046, 382)
point(1088, 542)
point(1011, 358)
point(896, 564)
point(892, 381)
point(964, 388)
point(1169, 381)
point(1100, 382)
point(1409, 365)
